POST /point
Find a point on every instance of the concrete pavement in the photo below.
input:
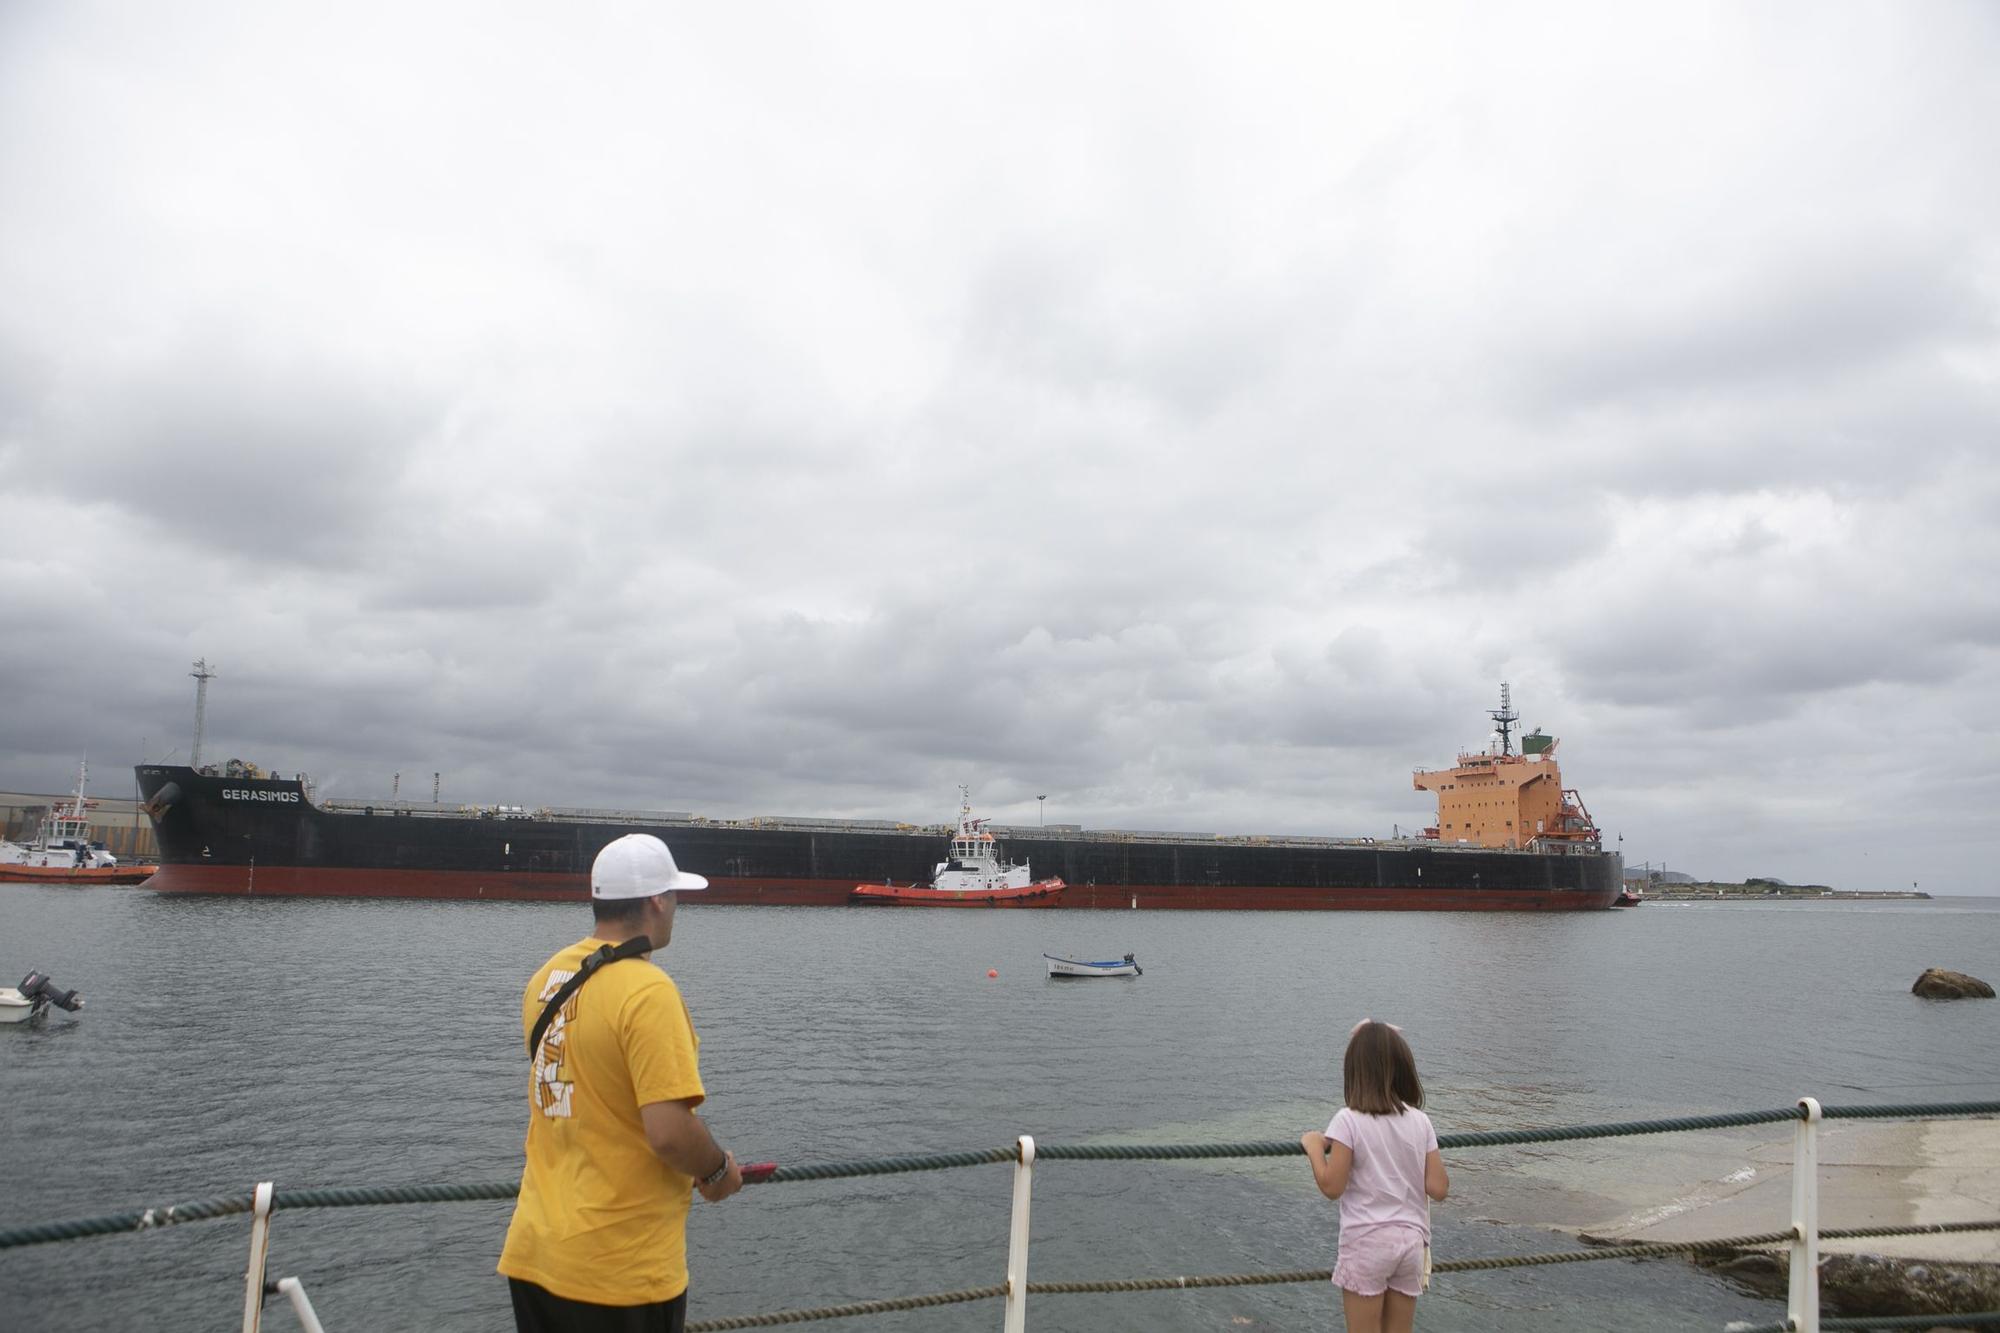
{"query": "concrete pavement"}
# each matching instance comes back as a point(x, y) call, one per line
point(1871, 1174)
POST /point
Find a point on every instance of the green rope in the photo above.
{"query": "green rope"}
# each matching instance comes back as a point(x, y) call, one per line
point(1914, 1229)
point(1134, 1152)
point(847, 1311)
point(884, 1166)
point(1910, 1111)
point(1649, 1250)
point(1177, 1283)
point(1492, 1138)
point(362, 1196)
point(144, 1219)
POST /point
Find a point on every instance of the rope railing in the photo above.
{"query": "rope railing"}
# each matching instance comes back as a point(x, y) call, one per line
point(1192, 1283)
point(142, 1219)
point(887, 1166)
point(846, 1311)
point(362, 1196)
point(1802, 1237)
point(365, 1196)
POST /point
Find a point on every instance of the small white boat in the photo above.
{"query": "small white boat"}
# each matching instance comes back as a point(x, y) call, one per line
point(1071, 967)
point(33, 997)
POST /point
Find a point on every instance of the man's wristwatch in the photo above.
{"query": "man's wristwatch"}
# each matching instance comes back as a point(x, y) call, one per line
point(715, 1177)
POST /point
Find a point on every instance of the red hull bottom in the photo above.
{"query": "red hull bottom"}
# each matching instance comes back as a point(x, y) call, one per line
point(1046, 893)
point(315, 882)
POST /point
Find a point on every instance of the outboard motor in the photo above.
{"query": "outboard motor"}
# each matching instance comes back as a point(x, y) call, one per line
point(38, 989)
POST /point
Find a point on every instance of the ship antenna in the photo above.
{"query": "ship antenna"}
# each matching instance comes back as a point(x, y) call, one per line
point(1505, 717)
point(202, 674)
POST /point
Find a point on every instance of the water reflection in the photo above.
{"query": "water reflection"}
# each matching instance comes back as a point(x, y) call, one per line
point(356, 1042)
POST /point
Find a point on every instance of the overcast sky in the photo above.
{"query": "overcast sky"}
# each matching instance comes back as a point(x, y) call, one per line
point(1190, 413)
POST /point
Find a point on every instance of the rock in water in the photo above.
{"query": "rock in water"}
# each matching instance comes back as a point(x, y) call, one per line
point(1868, 1284)
point(1939, 983)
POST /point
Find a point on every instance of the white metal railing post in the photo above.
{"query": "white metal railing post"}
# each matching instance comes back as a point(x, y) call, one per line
point(260, 1246)
point(1017, 1240)
point(1802, 1304)
point(294, 1291)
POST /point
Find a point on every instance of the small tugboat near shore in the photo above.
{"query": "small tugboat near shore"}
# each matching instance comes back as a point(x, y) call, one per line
point(972, 875)
point(62, 851)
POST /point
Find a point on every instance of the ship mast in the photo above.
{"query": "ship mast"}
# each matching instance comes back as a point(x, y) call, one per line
point(1504, 717)
point(202, 675)
point(82, 776)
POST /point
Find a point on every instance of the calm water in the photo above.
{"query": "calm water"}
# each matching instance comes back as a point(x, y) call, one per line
point(325, 1043)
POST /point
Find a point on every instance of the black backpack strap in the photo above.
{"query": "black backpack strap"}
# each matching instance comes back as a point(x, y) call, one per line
point(636, 947)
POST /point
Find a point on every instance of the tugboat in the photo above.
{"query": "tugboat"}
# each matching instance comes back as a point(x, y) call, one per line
point(62, 850)
point(971, 875)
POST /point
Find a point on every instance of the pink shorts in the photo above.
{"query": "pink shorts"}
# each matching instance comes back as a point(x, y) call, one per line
point(1374, 1259)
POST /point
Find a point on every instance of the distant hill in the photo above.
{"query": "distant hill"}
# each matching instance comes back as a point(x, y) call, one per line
point(1682, 877)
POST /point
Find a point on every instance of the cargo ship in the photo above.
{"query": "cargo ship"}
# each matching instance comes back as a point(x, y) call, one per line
point(1509, 837)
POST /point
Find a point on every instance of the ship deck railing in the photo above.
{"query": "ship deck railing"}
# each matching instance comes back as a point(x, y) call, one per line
point(804, 824)
point(1800, 1236)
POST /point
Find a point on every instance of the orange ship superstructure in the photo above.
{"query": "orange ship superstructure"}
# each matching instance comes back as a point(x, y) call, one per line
point(1497, 798)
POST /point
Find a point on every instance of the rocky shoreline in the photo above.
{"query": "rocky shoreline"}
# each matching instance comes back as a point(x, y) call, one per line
point(1862, 1285)
point(1766, 893)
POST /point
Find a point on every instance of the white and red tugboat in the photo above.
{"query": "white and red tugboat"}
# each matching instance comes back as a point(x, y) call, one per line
point(971, 875)
point(62, 851)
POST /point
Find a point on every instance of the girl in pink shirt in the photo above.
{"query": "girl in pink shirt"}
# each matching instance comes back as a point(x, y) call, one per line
point(1379, 1157)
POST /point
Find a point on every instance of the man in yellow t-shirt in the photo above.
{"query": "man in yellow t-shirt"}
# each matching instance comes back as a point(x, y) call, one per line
point(599, 1236)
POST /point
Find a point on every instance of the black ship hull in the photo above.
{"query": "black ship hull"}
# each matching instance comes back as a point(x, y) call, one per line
point(224, 835)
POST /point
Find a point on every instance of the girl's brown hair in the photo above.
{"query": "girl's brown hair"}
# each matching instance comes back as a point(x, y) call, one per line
point(1379, 1075)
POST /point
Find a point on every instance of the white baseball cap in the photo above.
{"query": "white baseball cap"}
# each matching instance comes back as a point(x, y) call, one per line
point(639, 865)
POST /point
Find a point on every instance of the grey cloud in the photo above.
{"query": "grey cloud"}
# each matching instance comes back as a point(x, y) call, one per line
point(1196, 439)
point(1062, 314)
point(1777, 314)
point(218, 447)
